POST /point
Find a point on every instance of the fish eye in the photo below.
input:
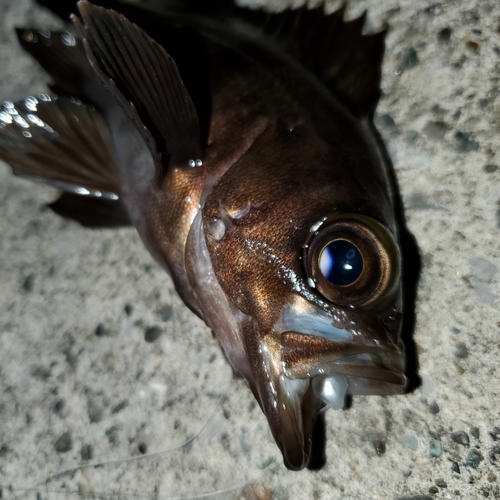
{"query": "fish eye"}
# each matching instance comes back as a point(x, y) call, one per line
point(340, 262)
point(352, 260)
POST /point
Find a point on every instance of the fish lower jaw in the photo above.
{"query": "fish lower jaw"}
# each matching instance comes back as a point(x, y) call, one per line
point(338, 370)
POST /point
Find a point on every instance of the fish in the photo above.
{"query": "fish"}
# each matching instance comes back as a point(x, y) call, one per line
point(240, 144)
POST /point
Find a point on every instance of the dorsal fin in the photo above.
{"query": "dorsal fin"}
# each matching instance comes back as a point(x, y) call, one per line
point(142, 73)
point(336, 51)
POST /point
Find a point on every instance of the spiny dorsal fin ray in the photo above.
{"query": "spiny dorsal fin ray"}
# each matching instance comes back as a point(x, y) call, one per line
point(336, 51)
point(59, 141)
point(147, 77)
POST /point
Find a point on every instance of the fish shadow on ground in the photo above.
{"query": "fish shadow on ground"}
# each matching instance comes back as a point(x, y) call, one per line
point(411, 268)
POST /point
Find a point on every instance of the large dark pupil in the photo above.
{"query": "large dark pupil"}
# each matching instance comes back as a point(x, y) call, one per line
point(340, 262)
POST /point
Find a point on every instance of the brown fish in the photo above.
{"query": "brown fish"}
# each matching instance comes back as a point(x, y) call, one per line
point(242, 149)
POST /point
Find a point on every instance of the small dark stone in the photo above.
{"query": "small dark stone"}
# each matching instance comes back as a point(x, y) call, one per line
point(226, 413)
point(153, 333)
point(444, 35)
point(475, 432)
point(461, 351)
point(119, 407)
point(100, 331)
point(473, 46)
point(380, 447)
point(4, 449)
point(28, 283)
point(435, 448)
point(465, 142)
point(165, 313)
point(495, 434)
point(489, 169)
point(112, 434)
point(94, 411)
point(434, 408)
point(495, 454)
point(473, 458)
point(386, 121)
point(39, 496)
point(128, 309)
point(59, 407)
point(455, 330)
point(455, 467)
point(410, 58)
point(143, 448)
point(435, 130)
point(483, 103)
point(460, 437)
point(441, 483)
point(64, 443)
point(433, 490)
point(40, 372)
point(87, 452)
point(177, 424)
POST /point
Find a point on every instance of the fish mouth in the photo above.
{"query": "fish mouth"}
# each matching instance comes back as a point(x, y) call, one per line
point(311, 359)
point(300, 373)
point(341, 369)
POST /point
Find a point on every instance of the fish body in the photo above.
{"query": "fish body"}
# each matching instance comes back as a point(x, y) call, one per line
point(244, 154)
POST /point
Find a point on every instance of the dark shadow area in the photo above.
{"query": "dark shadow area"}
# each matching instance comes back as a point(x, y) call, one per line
point(318, 448)
point(411, 267)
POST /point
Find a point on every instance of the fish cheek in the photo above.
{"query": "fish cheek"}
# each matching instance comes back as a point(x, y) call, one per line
point(245, 270)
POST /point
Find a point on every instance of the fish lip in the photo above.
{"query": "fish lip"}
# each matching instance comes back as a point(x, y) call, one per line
point(371, 369)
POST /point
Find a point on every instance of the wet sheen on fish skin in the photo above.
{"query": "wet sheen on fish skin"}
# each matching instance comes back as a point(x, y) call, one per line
point(242, 149)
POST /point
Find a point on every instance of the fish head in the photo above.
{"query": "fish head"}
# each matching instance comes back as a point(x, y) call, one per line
point(302, 240)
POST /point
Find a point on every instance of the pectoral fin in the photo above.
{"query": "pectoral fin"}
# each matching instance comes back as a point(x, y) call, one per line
point(62, 56)
point(145, 81)
point(61, 142)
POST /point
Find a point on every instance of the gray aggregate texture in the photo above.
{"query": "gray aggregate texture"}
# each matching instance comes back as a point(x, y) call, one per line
point(111, 416)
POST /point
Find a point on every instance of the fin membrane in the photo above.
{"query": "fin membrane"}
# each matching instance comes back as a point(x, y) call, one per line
point(61, 142)
point(139, 71)
point(62, 56)
point(90, 211)
point(336, 51)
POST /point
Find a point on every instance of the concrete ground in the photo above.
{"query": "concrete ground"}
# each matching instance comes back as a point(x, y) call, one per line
point(89, 409)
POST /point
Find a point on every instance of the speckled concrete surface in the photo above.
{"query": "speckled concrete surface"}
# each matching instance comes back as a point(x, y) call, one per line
point(89, 408)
